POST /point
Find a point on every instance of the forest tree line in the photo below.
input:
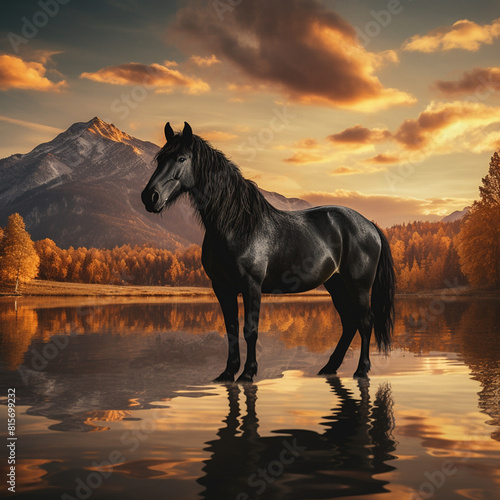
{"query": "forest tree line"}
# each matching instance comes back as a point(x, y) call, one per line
point(427, 255)
point(125, 265)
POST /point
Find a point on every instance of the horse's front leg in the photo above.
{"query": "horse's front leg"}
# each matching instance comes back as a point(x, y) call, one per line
point(251, 302)
point(228, 300)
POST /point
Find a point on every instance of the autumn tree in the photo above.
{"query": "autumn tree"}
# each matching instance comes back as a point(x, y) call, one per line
point(479, 238)
point(431, 246)
point(51, 263)
point(18, 258)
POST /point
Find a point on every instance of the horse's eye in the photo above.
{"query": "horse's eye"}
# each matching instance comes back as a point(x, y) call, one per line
point(181, 159)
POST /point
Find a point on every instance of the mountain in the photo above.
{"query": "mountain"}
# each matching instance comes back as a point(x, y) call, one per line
point(83, 189)
point(456, 215)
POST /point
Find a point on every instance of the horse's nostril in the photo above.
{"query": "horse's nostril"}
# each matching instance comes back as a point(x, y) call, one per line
point(155, 197)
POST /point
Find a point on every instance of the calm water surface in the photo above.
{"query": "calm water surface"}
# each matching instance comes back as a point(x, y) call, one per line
point(115, 401)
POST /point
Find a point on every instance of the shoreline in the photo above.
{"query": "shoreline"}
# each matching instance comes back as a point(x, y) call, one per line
point(42, 288)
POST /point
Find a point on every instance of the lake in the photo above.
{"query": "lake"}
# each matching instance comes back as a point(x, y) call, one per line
point(114, 400)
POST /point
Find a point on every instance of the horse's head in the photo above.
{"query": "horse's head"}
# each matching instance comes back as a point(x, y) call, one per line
point(173, 175)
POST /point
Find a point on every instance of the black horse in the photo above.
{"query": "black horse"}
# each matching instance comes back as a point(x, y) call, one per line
point(251, 248)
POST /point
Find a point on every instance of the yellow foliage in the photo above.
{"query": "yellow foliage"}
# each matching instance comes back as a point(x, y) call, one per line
point(479, 238)
point(479, 246)
point(19, 261)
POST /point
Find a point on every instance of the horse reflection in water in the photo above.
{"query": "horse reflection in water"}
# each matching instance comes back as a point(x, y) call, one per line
point(297, 464)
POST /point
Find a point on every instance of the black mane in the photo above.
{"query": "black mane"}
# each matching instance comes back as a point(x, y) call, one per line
point(224, 199)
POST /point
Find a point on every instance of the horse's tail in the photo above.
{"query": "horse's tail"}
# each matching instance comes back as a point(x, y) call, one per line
point(382, 300)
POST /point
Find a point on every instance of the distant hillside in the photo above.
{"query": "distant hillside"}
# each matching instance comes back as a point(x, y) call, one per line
point(456, 215)
point(83, 189)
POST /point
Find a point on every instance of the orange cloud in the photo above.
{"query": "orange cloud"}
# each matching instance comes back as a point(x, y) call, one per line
point(302, 49)
point(304, 154)
point(161, 77)
point(479, 82)
point(307, 143)
point(442, 125)
point(383, 159)
point(387, 210)
point(301, 157)
point(218, 136)
point(355, 171)
point(18, 74)
point(463, 34)
point(442, 128)
point(346, 171)
point(204, 61)
point(359, 135)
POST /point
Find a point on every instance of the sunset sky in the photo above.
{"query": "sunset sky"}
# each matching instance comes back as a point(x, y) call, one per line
point(390, 107)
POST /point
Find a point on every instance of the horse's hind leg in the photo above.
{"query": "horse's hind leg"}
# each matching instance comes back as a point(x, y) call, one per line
point(228, 300)
point(365, 330)
point(353, 305)
point(346, 308)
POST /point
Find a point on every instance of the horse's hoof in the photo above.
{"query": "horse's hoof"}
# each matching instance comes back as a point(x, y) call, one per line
point(360, 374)
point(327, 371)
point(245, 377)
point(224, 377)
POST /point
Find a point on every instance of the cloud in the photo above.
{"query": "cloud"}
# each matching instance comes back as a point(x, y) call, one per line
point(449, 127)
point(218, 136)
point(359, 135)
point(479, 82)
point(309, 151)
point(343, 170)
point(308, 143)
point(463, 34)
point(302, 157)
point(162, 77)
point(300, 48)
point(388, 210)
point(441, 128)
point(346, 171)
point(204, 61)
point(41, 55)
point(18, 74)
point(31, 125)
point(383, 159)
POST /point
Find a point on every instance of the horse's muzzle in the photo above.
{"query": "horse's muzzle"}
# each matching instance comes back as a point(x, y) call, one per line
point(154, 200)
point(151, 201)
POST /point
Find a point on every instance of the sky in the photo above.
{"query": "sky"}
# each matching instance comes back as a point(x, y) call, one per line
point(390, 107)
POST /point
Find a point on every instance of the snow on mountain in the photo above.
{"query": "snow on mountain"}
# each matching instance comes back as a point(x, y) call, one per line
point(93, 149)
point(83, 189)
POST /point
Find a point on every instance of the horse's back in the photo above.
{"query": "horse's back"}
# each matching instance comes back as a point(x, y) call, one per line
point(318, 242)
point(355, 238)
point(344, 222)
point(344, 216)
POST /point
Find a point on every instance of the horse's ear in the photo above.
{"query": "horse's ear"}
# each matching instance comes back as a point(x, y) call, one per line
point(187, 134)
point(169, 133)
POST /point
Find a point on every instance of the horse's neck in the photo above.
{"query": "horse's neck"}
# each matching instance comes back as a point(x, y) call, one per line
point(226, 209)
point(213, 214)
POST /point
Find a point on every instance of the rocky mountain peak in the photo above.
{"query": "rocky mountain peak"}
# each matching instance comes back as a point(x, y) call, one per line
point(107, 130)
point(83, 188)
